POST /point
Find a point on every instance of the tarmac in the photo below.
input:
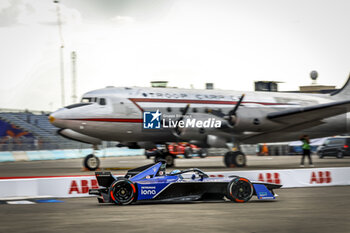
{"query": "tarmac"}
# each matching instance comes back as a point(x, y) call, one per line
point(317, 209)
point(322, 209)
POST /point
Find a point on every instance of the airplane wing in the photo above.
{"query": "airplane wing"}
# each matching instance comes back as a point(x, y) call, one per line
point(296, 119)
point(310, 113)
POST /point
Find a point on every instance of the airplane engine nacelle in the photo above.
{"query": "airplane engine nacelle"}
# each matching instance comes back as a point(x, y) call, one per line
point(215, 141)
point(192, 134)
point(252, 120)
point(73, 135)
point(199, 126)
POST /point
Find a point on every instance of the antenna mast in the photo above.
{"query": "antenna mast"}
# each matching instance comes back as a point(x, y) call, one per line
point(74, 77)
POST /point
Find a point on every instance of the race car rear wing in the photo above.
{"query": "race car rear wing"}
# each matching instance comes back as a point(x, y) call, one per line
point(104, 179)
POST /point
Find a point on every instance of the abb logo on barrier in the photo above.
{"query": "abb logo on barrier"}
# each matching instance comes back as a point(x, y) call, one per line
point(270, 177)
point(82, 187)
point(321, 177)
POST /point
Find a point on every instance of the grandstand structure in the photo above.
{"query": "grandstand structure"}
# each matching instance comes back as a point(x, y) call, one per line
point(31, 130)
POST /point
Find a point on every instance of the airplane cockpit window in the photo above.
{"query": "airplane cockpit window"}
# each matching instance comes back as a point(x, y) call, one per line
point(77, 105)
point(89, 100)
point(102, 101)
point(85, 100)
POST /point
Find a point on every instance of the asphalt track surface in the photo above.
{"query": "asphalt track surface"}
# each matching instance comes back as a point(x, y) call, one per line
point(318, 209)
point(119, 165)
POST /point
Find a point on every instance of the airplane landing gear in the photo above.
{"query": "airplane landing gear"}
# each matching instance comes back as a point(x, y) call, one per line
point(235, 159)
point(91, 162)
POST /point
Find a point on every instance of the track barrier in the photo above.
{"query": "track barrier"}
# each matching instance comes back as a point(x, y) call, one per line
point(78, 186)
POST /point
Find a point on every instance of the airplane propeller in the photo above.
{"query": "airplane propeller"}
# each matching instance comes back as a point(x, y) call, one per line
point(231, 116)
point(183, 113)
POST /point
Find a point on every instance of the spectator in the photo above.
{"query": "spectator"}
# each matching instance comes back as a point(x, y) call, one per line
point(306, 150)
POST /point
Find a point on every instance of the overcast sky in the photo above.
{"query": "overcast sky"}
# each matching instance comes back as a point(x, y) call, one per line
point(131, 42)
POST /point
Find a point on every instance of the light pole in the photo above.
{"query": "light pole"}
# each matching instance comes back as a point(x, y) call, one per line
point(74, 77)
point(59, 23)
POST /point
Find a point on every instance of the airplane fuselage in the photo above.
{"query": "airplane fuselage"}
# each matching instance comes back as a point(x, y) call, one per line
point(116, 114)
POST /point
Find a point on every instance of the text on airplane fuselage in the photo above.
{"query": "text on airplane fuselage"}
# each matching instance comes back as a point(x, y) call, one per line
point(184, 96)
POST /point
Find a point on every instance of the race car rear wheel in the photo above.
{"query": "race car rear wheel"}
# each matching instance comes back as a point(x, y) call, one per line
point(170, 160)
point(122, 191)
point(240, 190)
point(188, 153)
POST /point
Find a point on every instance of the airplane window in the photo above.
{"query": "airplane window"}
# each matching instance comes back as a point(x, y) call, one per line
point(102, 101)
point(168, 109)
point(77, 105)
point(86, 100)
point(194, 110)
point(89, 100)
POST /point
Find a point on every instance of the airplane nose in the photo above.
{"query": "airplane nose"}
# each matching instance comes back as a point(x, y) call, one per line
point(55, 118)
point(51, 119)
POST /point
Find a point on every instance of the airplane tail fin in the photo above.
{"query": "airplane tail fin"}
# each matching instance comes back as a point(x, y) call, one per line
point(344, 92)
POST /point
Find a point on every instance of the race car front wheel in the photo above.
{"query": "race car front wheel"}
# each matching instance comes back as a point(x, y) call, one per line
point(240, 190)
point(202, 153)
point(122, 192)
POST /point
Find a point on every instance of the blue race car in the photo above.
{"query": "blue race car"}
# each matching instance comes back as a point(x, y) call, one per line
point(151, 183)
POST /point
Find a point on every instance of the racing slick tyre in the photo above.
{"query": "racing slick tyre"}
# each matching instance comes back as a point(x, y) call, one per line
point(340, 154)
point(188, 152)
point(202, 153)
point(235, 159)
point(153, 153)
point(158, 158)
point(91, 162)
point(240, 190)
point(170, 160)
point(122, 192)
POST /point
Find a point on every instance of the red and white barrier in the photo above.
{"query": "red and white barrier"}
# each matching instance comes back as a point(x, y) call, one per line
point(291, 178)
point(78, 186)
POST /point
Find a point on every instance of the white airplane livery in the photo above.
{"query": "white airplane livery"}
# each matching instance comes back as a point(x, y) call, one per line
point(140, 117)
